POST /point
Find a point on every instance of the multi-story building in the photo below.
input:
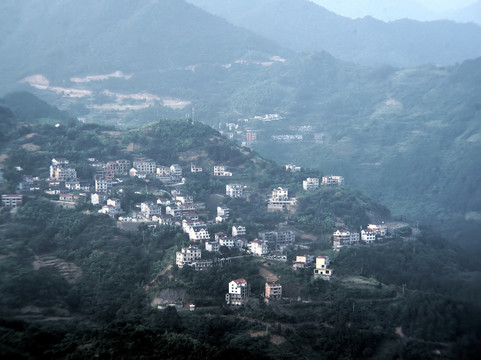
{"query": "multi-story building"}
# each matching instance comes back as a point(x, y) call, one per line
point(11, 201)
point(344, 238)
point(238, 293)
point(219, 170)
point(273, 290)
point(145, 166)
point(278, 239)
point(234, 190)
point(187, 256)
point(368, 236)
point(322, 268)
point(212, 246)
point(227, 241)
point(310, 184)
point(380, 230)
point(195, 168)
point(279, 200)
point(102, 185)
point(149, 209)
point(198, 233)
point(175, 171)
point(258, 247)
point(238, 230)
point(332, 180)
point(293, 168)
point(223, 211)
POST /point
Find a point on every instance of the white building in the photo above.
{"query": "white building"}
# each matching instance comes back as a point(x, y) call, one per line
point(195, 169)
point(234, 190)
point(147, 167)
point(227, 241)
point(258, 247)
point(219, 170)
point(368, 236)
point(344, 238)
point(310, 184)
point(148, 209)
point(322, 268)
point(238, 293)
point(199, 233)
point(223, 211)
point(102, 185)
point(380, 230)
point(187, 256)
point(212, 246)
point(238, 230)
point(332, 180)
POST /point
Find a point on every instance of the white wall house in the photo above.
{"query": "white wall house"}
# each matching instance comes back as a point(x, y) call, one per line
point(238, 293)
point(187, 256)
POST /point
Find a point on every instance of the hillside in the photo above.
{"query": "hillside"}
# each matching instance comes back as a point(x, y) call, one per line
point(95, 38)
point(76, 285)
point(302, 25)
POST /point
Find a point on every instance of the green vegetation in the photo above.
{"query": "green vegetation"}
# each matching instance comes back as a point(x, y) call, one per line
point(75, 285)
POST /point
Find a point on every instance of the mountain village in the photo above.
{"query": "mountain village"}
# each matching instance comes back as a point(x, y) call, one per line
point(178, 209)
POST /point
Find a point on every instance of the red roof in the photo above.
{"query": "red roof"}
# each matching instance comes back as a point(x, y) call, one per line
point(240, 281)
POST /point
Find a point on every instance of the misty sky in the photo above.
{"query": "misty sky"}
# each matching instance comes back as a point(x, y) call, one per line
point(393, 9)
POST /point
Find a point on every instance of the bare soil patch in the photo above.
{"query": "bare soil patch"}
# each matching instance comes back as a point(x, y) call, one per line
point(268, 275)
point(31, 147)
point(68, 270)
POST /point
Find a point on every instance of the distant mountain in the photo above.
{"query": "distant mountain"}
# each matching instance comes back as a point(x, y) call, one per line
point(302, 25)
point(60, 39)
point(386, 10)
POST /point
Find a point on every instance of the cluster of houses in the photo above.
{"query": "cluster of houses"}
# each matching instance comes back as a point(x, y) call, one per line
point(239, 291)
point(313, 183)
point(269, 243)
point(321, 269)
point(341, 237)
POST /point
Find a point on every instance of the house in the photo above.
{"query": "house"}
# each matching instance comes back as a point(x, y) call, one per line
point(380, 230)
point(98, 199)
point(212, 246)
point(238, 293)
point(187, 256)
point(273, 290)
point(195, 169)
point(258, 247)
point(66, 197)
point(279, 200)
point(112, 208)
point(198, 233)
point(278, 239)
point(344, 238)
point(310, 184)
point(293, 168)
point(241, 243)
point(227, 241)
point(175, 172)
point(165, 219)
point(238, 230)
point(219, 170)
point(11, 201)
point(234, 190)
point(223, 211)
point(145, 166)
point(332, 180)
point(149, 209)
point(322, 268)
point(368, 236)
point(102, 185)
point(72, 185)
point(202, 264)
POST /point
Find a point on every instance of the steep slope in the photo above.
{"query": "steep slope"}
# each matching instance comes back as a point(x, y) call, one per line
point(304, 26)
point(61, 39)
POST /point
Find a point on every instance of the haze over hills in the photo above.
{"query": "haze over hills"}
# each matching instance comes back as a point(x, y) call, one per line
point(422, 10)
point(407, 137)
point(302, 25)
